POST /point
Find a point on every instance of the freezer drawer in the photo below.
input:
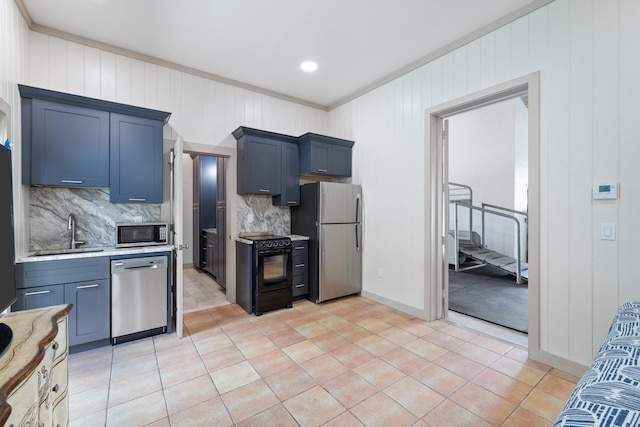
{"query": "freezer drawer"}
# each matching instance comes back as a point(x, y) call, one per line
point(138, 295)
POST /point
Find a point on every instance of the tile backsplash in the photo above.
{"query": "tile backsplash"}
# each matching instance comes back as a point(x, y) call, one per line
point(95, 216)
point(256, 213)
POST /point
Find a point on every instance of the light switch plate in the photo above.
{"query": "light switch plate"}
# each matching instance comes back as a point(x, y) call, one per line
point(607, 231)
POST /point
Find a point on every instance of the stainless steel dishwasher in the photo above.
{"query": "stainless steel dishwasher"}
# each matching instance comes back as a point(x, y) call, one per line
point(138, 297)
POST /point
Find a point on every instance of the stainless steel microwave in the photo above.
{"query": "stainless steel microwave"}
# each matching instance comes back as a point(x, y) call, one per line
point(132, 234)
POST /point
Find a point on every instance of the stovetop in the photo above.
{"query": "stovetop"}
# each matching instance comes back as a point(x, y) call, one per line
point(266, 240)
point(263, 237)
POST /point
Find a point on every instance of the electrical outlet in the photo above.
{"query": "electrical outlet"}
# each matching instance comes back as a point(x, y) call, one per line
point(380, 272)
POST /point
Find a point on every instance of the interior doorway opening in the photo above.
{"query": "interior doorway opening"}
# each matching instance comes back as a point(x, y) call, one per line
point(487, 223)
point(437, 201)
point(205, 226)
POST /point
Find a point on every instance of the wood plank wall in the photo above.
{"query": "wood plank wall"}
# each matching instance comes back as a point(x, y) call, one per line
point(587, 54)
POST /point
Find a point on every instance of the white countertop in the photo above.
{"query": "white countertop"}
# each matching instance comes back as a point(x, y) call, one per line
point(107, 251)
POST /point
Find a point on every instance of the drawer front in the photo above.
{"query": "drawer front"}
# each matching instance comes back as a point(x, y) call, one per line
point(299, 266)
point(45, 385)
point(299, 247)
point(45, 296)
point(24, 403)
point(61, 411)
point(42, 273)
point(60, 342)
point(300, 285)
point(60, 381)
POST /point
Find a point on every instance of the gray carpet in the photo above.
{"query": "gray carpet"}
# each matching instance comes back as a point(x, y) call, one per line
point(488, 294)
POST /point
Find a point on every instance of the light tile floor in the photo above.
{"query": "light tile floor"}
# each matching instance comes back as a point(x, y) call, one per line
point(348, 362)
point(201, 291)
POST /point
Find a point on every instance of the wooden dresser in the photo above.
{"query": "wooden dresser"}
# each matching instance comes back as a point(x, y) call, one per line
point(33, 369)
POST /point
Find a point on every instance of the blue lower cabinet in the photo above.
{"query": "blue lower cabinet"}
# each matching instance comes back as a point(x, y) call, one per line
point(83, 282)
point(89, 319)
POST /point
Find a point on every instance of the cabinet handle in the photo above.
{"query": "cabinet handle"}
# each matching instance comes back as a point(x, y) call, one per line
point(292, 203)
point(322, 170)
point(300, 286)
point(28, 294)
point(299, 265)
point(55, 345)
point(298, 248)
point(135, 199)
point(70, 181)
point(55, 388)
point(264, 191)
point(87, 286)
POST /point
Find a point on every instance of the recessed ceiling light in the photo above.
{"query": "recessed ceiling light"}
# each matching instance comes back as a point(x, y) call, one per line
point(309, 66)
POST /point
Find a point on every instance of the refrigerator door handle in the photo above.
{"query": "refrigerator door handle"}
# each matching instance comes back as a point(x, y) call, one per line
point(357, 206)
point(357, 240)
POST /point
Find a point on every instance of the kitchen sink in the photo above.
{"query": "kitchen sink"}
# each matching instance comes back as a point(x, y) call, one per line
point(66, 251)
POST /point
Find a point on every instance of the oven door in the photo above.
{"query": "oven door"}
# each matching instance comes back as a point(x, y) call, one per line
point(273, 270)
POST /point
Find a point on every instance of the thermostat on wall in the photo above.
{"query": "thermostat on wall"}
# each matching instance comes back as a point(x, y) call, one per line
point(605, 191)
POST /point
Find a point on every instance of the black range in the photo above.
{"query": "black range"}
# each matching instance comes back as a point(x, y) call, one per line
point(263, 272)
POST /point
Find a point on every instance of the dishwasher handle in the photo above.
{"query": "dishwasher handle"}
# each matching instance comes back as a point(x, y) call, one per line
point(141, 267)
point(134, 264)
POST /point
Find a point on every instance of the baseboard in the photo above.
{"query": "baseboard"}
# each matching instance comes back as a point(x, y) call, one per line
point(558, 362)
point(544, 357)
point(413, 311)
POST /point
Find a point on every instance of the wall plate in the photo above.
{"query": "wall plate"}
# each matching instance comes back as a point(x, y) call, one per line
point(605, 191)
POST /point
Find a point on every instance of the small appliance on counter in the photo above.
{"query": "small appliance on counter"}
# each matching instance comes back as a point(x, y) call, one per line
point(263, 272)
point(133, 234)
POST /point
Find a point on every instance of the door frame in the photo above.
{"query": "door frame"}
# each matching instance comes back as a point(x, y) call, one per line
point(436, 205)
point(231, 187)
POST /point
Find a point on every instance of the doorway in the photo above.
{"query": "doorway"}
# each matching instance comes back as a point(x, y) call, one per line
point(205, 225)
point(487, 222)
point(437, 197)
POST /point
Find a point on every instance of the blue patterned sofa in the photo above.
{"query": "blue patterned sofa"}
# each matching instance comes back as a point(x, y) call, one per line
point(608, 394)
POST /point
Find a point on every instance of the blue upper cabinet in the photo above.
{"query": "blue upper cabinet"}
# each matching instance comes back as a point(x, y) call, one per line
point(74, 141)
point(260, 161)
point(290, 190)
point(325, 155)
point(136, 160)
point(69, 145)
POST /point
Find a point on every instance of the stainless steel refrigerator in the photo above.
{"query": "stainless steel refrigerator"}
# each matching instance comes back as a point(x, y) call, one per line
point(331, 215)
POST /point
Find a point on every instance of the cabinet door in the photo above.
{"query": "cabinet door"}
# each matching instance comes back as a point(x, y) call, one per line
point(340, 161)
point(290, 194)
point(44, 296)
point(214, 255)
point(136, 160)
point(259, 165)
point(89, 319)
point(320, 158)
point(69, 145)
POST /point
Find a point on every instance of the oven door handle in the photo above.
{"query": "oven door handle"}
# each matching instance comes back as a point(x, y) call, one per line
point(274, 251)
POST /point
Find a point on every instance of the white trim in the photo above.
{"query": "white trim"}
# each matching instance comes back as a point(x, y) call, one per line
point(350, 97)
point(413, 311)
point(231, 189)
point(433, 202)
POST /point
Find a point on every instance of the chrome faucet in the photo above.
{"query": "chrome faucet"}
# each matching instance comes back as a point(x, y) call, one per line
point(71, 225)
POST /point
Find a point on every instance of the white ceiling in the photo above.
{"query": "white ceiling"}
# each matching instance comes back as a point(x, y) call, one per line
point(261, 43)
